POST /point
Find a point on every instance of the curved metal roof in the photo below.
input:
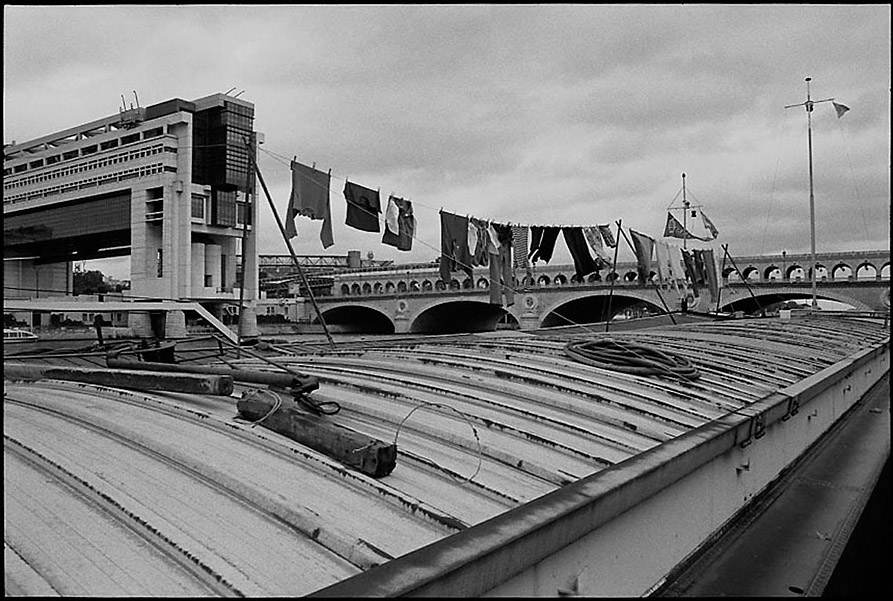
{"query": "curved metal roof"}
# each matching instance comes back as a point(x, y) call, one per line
point(117, 492)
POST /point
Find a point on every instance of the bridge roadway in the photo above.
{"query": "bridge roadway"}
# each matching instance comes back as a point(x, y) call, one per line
point(470, 310)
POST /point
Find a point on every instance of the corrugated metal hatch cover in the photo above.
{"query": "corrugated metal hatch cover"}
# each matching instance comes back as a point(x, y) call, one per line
point(116, 492)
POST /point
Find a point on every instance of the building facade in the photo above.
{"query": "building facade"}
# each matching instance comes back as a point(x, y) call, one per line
point(170, 184)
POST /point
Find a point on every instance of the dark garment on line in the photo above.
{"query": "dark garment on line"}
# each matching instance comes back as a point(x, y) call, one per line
point(405, 225)
point(705, 261)
point(502, 278)
point(584, 264)
point(690, 270)
point(454, 253)
point(643, 246)
point(546, 243)
point(310, 198)
point(363, 207)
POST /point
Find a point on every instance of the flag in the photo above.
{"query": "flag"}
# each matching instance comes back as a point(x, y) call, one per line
point(841, 109)
point(674, 229)
point(709, 225)
point(607, 236)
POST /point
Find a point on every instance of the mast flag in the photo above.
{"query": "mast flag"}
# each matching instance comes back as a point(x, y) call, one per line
point(840, 108)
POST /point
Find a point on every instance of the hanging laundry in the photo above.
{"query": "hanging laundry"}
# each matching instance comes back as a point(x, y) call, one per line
point(520, 258)
point(576, 244)
point(664, 264)
point(310, 198)
point(690, 271)
point(594, 239)
point(642, 245)
point(400, 224)
point(502, 278)
point(709, 262)
point(545, 243)
point(454, 253)
point(479, 231)
point(363, 207)
point(607, 235)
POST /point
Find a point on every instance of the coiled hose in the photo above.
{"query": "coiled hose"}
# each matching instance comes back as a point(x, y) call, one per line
point(631, 358)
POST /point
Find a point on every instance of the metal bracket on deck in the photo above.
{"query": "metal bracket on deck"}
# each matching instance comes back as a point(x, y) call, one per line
point(793, 408)
point(756, 429)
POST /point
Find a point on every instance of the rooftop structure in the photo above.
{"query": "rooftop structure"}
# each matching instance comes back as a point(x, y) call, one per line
point(169, 184)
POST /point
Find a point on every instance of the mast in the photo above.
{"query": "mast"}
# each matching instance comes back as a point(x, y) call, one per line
point(685, 205)
point(809, 106)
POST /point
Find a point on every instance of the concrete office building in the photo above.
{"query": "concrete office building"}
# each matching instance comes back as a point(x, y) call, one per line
point(168, 184)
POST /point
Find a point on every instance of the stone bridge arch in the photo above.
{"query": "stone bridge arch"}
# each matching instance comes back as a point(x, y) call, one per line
point(766, 297)
point(450, 316)
point(358, 318)
point(591, 308)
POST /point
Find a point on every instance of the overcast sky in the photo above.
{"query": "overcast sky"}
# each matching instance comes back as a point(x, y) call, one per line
point(538, 114)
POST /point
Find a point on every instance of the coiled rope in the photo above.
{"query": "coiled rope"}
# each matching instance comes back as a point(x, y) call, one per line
point(631, 358)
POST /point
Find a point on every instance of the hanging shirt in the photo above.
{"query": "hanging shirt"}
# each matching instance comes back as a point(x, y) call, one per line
point(310, 198)
point(454, 253)
point(576, 244)
point(363, 207)
point(546, 246)
point(399, 224)
point(643, 246)
point(478, 241)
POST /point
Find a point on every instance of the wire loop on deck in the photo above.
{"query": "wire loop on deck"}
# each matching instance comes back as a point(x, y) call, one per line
point(631, 358)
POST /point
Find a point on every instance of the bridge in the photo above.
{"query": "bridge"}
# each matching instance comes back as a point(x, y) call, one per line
point(415, 300)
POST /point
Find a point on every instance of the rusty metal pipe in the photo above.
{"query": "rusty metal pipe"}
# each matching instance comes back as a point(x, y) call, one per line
point(280, 380)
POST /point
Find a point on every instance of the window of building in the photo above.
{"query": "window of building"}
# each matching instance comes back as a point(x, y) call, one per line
point(71, 154)
point(20, 168)
point(198, 206)
point(53, 159)
point(89, 149)
point(35, 164)
point(130, 139)
point(108, 144)
point(153, 133)
point(160, 263)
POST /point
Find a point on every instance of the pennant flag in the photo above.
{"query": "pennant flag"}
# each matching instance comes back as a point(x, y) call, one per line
point(674, 229)
point(607, 235)
point(841, 109)
point(709, 225)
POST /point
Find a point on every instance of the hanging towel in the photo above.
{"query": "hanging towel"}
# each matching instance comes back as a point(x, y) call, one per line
point(576, 244)
point(400, 228)
point(310, 198)
point(643, 246)
point(607, 235)
point(502, 278)
point(546, 244)
point(710, 269)
point(363, 207)
point(454, 253)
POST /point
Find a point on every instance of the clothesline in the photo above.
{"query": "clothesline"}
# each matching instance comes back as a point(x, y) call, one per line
point(428, 207)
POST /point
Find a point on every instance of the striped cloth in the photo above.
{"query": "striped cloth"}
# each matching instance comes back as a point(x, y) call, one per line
point(520, 248)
